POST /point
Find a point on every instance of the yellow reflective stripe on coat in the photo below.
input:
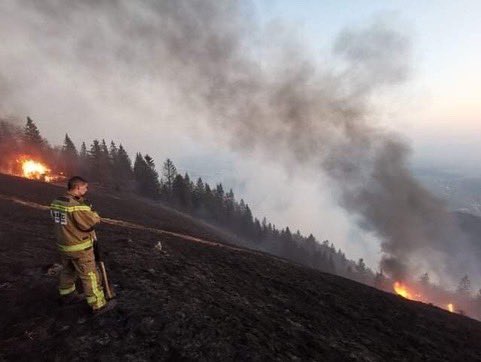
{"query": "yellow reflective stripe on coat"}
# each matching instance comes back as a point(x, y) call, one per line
point(62, 208)
point(99, 300)
point(76, 247)
point(65, 291)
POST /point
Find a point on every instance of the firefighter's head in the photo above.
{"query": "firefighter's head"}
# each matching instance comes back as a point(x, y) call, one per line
point(77, 186)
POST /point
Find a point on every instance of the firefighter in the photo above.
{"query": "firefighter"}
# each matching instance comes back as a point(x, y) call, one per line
point(74, 222)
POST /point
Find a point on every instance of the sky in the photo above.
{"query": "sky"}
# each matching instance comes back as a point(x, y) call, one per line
point(439, 109)
point(436, 110)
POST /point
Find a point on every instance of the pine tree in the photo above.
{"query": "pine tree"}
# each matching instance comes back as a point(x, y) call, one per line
point(219, 214)
point(113, 152)
point(285, 243)
point(70, 157)
point(146, 176)
point(229, 208)
point(96, 171)
point(100, 169)
point(257, 231)
point(169, 172)
point(139, 166)
point(188, 182)
point(84, 161)
point(123, 166)
point(197, 196)
point(69, 148)
point(247, 222)
point(208, 203)
point(181, 193)
point(361, 270)
point(83, 151)
point(32, 135)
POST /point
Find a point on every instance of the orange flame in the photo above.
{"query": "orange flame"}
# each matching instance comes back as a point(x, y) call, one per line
point(34, 170)
point(402, 290)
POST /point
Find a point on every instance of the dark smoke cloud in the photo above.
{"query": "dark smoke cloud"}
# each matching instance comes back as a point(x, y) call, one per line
point(214, 68)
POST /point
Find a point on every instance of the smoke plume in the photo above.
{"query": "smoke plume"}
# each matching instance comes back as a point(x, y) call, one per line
point(208, 66)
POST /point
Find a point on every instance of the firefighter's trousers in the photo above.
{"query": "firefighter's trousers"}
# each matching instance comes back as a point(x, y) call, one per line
point(81, 264)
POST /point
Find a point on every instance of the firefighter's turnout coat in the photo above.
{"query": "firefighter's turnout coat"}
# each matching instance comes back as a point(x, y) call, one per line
point(74, 223)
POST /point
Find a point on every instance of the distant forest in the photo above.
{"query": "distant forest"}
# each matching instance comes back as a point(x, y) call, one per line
point(110, 166)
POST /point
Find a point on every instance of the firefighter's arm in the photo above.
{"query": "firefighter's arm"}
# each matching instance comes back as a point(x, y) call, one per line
point(85, 220)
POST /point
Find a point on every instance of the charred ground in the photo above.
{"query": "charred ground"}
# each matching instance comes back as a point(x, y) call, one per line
point(193, 300)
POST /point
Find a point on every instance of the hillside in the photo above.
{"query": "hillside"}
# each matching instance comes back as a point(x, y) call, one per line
point(199, 298)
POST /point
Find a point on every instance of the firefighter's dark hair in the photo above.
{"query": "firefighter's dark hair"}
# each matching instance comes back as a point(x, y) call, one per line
point(75, 181)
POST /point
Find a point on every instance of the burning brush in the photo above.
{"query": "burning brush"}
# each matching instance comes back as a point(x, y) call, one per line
point(404, 291)
point(28, 167)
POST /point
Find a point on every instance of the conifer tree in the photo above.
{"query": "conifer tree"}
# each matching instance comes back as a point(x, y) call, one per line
point(84, 161)
point(188, 182)
point(113, 151)
point(146, 176)
point(248, 222)
point(96, 171)
point(69, 148)
point(120, 165)
point(197, 196)
point(229, 208)
point(32, 137)
point(208, 202)
point(181, 193)
point(83, 151)
point(169, 172)
point(123, 165)
point(70, 157)
point(361, 270)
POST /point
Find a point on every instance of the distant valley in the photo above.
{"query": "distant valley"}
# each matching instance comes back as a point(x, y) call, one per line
point(461, 193)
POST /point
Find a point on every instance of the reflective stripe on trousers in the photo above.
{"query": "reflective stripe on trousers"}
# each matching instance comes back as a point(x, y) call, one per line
point(98, 300)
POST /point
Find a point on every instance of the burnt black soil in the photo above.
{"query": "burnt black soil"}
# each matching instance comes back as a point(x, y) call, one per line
point(195, 301)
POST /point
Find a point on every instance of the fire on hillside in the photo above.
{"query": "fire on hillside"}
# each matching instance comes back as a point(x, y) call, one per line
point(408, 292)
point(32, 168)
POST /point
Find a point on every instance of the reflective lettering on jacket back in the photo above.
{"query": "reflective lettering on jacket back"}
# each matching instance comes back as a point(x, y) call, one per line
point(59, 217)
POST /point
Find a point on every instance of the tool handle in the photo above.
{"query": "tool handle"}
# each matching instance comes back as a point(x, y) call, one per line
point(108, 291)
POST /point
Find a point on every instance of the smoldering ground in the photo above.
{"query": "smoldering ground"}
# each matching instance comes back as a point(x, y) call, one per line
point(205, 68)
